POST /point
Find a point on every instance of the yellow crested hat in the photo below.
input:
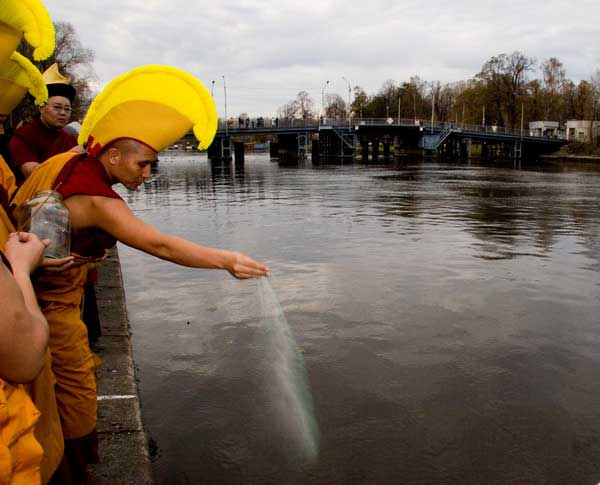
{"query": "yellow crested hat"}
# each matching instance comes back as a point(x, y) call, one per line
point(57, 84)
point(153, 104)
point(18, 76)
point(29, 19)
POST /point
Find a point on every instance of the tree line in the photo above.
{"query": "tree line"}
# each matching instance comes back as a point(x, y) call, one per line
point(503, 93)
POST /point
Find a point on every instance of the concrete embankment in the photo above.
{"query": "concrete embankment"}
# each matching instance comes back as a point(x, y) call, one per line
point(123, 445)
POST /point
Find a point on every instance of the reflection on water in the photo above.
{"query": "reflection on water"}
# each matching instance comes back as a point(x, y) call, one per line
point(447, 314)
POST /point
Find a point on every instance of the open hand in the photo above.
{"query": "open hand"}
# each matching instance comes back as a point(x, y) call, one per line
point(243, 267)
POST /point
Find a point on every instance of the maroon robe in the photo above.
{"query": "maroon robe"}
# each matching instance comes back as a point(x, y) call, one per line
point(35, 142)
point(85, 175)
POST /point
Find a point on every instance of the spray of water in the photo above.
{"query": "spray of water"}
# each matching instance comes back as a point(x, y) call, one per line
point(291, 393)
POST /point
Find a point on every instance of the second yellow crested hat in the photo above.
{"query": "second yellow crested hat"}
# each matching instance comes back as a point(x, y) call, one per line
point(58, 85)
point(156, 105)
point(29, 19)
point(18, 76)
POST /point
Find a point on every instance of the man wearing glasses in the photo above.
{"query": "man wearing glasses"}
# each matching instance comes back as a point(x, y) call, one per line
point(34, 143)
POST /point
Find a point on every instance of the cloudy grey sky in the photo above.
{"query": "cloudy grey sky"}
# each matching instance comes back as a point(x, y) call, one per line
point(269, 50)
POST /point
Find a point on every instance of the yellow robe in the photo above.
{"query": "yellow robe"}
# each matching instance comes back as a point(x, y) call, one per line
point(59, 296)
point(48, 428)
point(7, 177)
point(20, 453)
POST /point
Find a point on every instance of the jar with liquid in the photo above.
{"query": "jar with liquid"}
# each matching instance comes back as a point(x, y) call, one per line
point(47, 216)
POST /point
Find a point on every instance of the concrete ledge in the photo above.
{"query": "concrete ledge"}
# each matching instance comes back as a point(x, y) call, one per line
point(123, 446)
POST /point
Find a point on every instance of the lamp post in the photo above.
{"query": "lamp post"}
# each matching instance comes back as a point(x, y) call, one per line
point(226, 117)
point(323, 99)
point(212, 88)
point(432, 105)
point(349, 94)
point(399, 105)
point(522, 118)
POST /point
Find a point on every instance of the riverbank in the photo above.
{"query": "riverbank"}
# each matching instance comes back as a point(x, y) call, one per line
point(571, 158)
point(123, 446)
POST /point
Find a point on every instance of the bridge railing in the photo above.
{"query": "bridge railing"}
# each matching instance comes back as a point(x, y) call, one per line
point(266, 122)
point(274, 123)
point(489, 129)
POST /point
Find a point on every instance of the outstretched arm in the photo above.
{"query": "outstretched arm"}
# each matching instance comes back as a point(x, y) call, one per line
point(114, 217)
point(23, 328)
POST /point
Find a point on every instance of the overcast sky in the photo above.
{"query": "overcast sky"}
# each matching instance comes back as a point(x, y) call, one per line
point(269, 50)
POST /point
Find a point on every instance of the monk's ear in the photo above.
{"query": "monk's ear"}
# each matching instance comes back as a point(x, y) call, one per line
point(113, 155)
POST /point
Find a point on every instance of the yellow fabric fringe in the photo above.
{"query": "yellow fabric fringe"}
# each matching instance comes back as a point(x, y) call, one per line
point(31, 18)
point(161, 102)
point(19, 70)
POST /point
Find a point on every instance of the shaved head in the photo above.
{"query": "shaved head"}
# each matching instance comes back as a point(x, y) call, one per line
point(127, 145)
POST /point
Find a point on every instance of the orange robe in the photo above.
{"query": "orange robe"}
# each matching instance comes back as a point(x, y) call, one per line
point(7, 178)
point(60, 295)
point(47, 429)
point(20, 453)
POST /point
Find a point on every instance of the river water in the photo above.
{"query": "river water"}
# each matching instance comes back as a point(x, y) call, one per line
point(447, 314)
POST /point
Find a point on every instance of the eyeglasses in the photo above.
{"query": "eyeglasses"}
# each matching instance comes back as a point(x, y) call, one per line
point(59, 107)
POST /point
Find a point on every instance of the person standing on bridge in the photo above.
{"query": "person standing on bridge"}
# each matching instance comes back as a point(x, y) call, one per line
point(137, 115)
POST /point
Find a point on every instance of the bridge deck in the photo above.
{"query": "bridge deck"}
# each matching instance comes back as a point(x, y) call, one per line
point(378, 126)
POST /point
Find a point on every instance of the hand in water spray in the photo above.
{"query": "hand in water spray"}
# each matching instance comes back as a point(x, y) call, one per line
point(242, 267)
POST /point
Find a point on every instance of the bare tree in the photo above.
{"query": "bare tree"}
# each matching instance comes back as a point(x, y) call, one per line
point(518, 66)
point(505, 79)
point(300, 107)
point(305, 105)
point(335, 106)
point(74, 61)
point(553, 79)
point(288, 110)
point(360, 101)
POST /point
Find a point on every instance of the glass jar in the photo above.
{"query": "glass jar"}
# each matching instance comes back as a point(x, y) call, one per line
point(46, 216)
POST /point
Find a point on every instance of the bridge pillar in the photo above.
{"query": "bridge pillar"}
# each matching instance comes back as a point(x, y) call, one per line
point(484, 151)
point(288, 146)
point(238, 150)
point(375, 154)
point(386, 149)
point(220, 149)
point(274, 149)
point(397, 147)
point(315, 151)
point(364, 148)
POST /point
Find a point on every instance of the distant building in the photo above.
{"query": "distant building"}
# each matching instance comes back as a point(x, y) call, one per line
point(585, 131)
point(549, 129)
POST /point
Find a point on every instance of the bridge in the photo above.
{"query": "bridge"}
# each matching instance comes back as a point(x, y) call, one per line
point(341, 138)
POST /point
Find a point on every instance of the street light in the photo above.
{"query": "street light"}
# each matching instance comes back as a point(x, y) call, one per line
point(349, 94)
point(432, 104)
point(522, 118)
point(323, 99)
point(212, 89)
point(399, 104)
point(226, 117)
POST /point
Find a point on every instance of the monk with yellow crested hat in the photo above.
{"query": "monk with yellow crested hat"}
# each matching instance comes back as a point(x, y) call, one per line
point(18, 76)
point(136, 116)
point(28, 19)
point(23, 329)
point(35, 142)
